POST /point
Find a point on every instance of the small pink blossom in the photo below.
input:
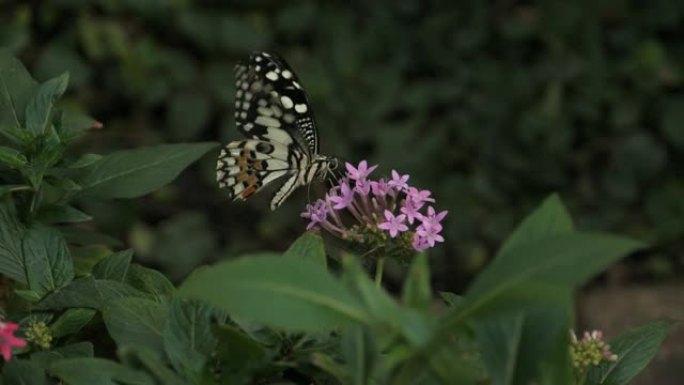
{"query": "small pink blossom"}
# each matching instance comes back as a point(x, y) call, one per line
point(361, 172)
point(419, 244)
point(345, 199)
point(393, 224)
point(316, 213)
point(380, 188)
point(411, 211)
point(399, 181)
point(8, 340)
point(432, 220)
point(363, 186)
point(429, 235)
point(419, 197)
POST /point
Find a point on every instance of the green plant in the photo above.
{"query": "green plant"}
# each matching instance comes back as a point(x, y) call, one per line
point(264, 318)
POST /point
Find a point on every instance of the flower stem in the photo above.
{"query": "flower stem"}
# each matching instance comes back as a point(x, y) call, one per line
point(378, 271)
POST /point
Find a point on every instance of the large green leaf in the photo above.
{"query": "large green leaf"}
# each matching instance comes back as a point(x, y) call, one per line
point(137, 322)
point(521, 346)
point(150, 281)
point(417, 292)
point(47, 259)
point(88, 292)
point(188, 337)
point(541, 270)
point(11, 232)
point(39, 107)
point(16, 87)
point(132, 173)
point(11, 157)
point(46, 358)
point(114, 267)
point(71, 321)
point(89, 371)
point(635, 350)
point(24, 373)
point(308, 246)
point(280, 291)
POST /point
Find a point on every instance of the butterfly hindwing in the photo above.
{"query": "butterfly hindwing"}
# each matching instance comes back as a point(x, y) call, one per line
point(245, 166)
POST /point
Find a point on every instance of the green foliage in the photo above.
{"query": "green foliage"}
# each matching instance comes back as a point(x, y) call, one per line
point(263, 318)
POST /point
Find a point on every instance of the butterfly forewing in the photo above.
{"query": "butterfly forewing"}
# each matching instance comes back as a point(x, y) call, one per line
point(271, 105)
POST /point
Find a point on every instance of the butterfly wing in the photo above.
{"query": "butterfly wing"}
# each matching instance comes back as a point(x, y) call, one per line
point(270, 104)
point(245, 166)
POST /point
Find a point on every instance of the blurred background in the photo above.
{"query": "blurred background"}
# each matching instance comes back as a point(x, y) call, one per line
point(491, 105)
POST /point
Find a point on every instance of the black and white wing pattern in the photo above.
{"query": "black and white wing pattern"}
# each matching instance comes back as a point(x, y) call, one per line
point(272, 111)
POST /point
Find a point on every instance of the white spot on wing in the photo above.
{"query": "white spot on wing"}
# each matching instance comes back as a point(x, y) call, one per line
point(278, 136)
point(287, 102)
point(301, 108)
point(287, 74)
point(267, 121)
point(270, 75)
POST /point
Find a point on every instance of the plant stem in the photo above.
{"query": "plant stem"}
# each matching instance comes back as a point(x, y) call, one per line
point(378, 271)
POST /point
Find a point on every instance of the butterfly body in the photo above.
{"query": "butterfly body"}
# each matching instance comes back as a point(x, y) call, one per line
point(272, 111)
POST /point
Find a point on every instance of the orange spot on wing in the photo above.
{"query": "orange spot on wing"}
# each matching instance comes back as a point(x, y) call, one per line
point(250, 186)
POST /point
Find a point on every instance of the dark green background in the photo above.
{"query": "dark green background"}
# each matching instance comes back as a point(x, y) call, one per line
point(491, 105)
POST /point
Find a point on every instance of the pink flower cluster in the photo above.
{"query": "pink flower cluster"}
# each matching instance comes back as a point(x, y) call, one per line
point(8, 340)
point(390, 207)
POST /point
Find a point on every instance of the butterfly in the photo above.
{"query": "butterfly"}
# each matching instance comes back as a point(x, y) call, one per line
point(272, 111)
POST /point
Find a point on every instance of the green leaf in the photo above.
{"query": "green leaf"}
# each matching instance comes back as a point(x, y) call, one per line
point(238, 354)
point(12, 158)
point(85, 160)
point(635, 349)
point(541, 270)
point(550, 218)
point(23, 372)
point(451, 299)
point(188, 337)
point(308, 246)
point(71, 322)
point(140, 356)
point(89, 371)
point(87, 292)
point(46, 256)
point(528, 346)
point(150, 281)
point(360, 353)
point(11, 232)
point(53, 214)
point(291, 293)
point(39, 107)
point(28, 295)
point(417, 292)
point(136, 322)
point(45, 358)
point(521, 346)
point(16, 87)
point(114, 267)
point(74, 124)
point(132, 173)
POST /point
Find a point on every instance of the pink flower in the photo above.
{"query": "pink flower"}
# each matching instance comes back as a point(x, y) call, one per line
point(345, 199)
point(419, 197)
point(361, 172)
point(8, 340)
point(411, 211)
point(394, 225)
point(363, 186)
point(419, 243)
point(429, 235)
point(399, 181)
point(380, 188)
point(432, 220)
point(316, 213)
